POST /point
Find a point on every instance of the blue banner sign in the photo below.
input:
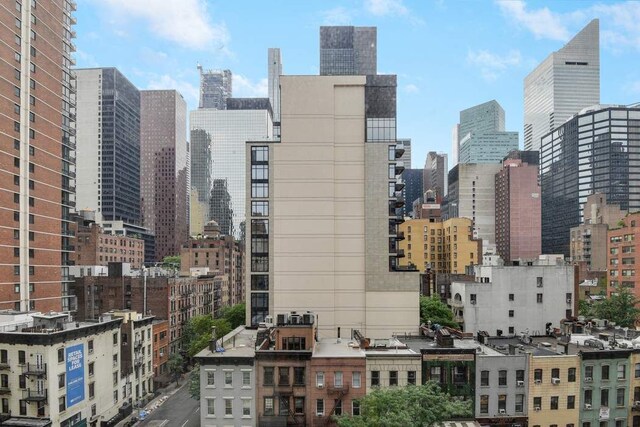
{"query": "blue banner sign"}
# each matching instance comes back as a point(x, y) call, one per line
point(75, 374)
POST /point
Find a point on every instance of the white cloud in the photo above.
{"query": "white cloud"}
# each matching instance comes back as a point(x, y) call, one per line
point(493, 65)
point(244, 87)
point(621, 23)
point(543, 23)
point(336, 16)
point(86, 60)
point(411, 88)
point(165, 81)
point(185, 22)
point(385, 7)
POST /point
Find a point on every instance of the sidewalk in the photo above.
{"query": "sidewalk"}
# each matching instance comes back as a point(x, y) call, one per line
point(165, 393)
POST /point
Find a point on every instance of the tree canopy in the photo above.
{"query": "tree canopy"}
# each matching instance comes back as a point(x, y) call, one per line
point(175, 364)
point(172, 261)
point(434, 310)
point(197, 332)
point(423, 405)
point(235, 315)
point(620, 307)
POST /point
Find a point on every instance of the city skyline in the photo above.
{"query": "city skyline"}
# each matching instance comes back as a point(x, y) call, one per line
point(484, 56)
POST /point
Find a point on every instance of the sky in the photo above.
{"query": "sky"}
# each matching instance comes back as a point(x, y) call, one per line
point(449, 55)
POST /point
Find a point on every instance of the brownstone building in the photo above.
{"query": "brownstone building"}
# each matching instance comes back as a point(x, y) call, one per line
point(37, 165)
point(305, 381)
point(176, 299)
point(95, 247)
point(216, 254)
point(164, 169)
point(622, 255)
point(160, 331)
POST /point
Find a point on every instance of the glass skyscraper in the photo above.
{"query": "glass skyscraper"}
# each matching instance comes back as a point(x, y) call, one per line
point(215, 88)
point(597, 151)
point(244, 119)
point(348, 51)
point(563, 84)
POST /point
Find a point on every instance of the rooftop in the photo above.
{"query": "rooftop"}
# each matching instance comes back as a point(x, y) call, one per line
point(336, 347)
point(240, 342)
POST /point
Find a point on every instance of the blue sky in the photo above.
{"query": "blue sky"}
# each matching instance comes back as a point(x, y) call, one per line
point(448, 55)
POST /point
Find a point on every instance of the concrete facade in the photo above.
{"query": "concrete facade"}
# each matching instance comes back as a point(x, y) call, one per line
point(567, 81)
point(35, 359)
point(511, 300)
point(228, 381)
point(472, 195)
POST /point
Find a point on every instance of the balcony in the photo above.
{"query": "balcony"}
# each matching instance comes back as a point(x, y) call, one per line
point(5, 389)
point(34, 395)
point(410, 267)
point(34, 369)
point(399, 185)
point(400, 253)
point(399, 168)
point(399, 202)
point(636, 406)
point(340, 390)
point(5, 364)
point(399, 150)
point(400, 235)
point(455, 303)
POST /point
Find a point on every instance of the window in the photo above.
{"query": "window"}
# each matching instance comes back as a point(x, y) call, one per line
point(298, 405)
point(260, 189)
point(298, 375)
point(211, 406)
point(539, 298)
point(246, 378)
point(283, 375)
point(519, 403)
point(115, 338)
point(268, 406)
point(228, 407)
point(393, 378)
point(554, 402)
point(92, 390)
point(537, 402)
point(246, 407)
point(588, 397)
point(375, 378)
point(411, 377)
point(620, 397)
point(571, 375)
point(62, 403)
point(337, 409)
point(319, 407)
point(637, 370)
point(91, 365)
point(588, 371)
point(259, 154)
point(604, 397)
point(268, 375)
point(259, 208)
point(511, 313)
point(61, 355)
point(502, 402)
point(211, 378)
point(537, 375)
point(355, 407)
point(605, 372)
point(484, 404)
point(21, 357)
point(511, 297)
point(228, 379)
point(555, 373)
point(622, 371)
point(23, 407)
point(539, 282)
point(502, 378)
point(284, 406)
point(319, 379)
point(520, 375)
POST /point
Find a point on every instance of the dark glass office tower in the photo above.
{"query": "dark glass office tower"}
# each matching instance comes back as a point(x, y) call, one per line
point(348, 51)
point(598, 150)
point(215, 88)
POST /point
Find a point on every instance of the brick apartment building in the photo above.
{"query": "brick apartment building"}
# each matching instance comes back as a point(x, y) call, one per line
point(37, 140)
point(176, 299)
point(160, 332)
point(623, 255)
point(95, 247)
point(216, 254)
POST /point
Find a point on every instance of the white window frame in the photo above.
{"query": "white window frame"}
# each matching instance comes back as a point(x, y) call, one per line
point(320, 379)
point(356, 379)
point(211, 404)
point(213, 374)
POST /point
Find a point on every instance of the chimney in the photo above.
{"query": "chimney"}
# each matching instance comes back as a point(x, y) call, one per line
point(212, 343)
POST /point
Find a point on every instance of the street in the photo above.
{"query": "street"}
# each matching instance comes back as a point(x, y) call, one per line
point(179, 410)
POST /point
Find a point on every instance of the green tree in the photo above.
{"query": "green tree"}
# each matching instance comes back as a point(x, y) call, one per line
point(172, 261)
point(235, 315)
point(621, 308)
point(424, 405)
point(175, 364)
point(194, 382)
point(197, 332)
point(431, 308)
